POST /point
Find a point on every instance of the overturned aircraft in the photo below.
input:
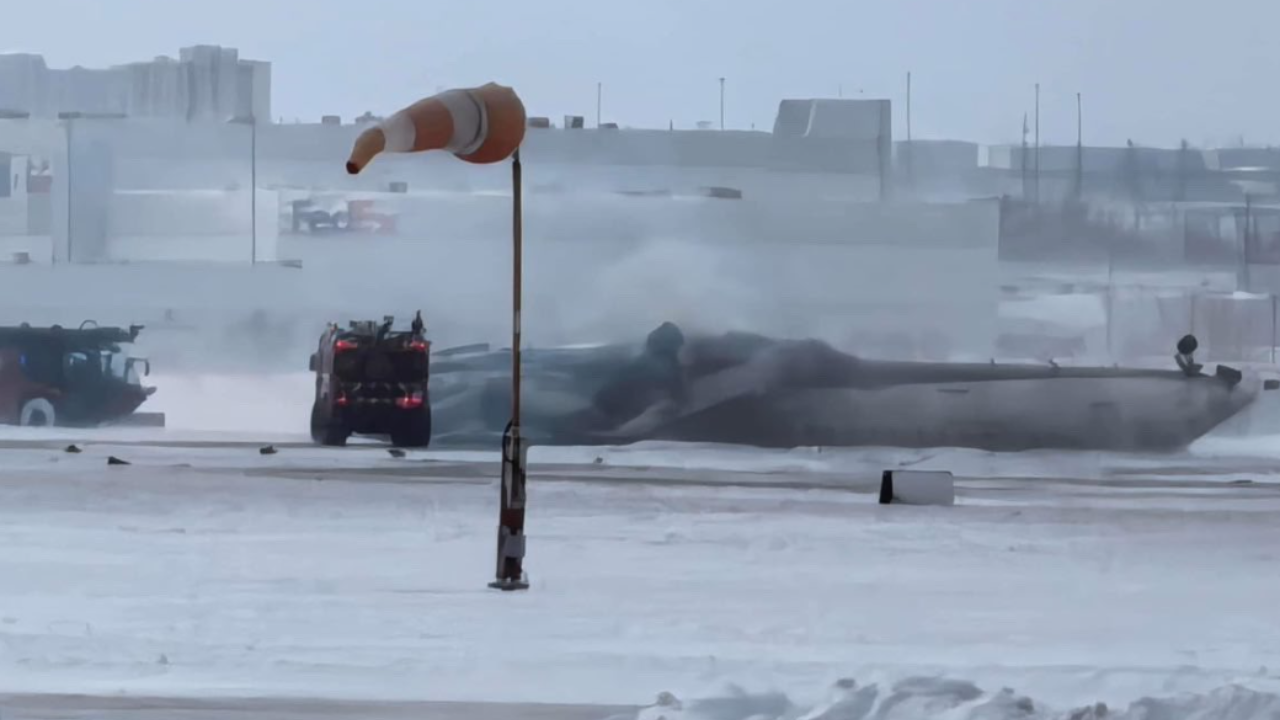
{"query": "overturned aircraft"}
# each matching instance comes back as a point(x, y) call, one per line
point(747, 389)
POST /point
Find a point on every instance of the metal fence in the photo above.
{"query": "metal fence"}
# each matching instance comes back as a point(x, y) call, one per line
point(1230, 327)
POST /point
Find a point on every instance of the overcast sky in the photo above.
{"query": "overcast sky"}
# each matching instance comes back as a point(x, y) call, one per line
point(1153, 70)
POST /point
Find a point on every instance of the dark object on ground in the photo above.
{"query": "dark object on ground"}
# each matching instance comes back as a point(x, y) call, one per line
point(113, 460)
point(268, 450)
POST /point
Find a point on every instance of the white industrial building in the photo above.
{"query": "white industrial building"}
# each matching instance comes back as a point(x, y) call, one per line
point(205, 82)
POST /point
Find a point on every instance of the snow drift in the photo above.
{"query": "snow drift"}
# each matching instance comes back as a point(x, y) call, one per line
point(922, 698)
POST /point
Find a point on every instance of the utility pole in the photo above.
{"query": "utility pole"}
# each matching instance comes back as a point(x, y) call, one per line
point(70, 192)
point(1037, 183)
point(1079, 189)
point(599, 100)
point(1273, 328)
point(1180, 190)
point(722, 103)
point(908, 106)
point(70, 119)
point(911, 175)
point(253, 189)
point(252, 122)
point(1022, 157)
point(1243, 282)
point(1111, 297)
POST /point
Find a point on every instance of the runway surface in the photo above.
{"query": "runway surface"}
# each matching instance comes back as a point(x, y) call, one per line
point(81, 707)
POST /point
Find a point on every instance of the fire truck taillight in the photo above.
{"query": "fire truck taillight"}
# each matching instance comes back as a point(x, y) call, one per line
point(419, 345)
point(410, 402)
point(344, 345)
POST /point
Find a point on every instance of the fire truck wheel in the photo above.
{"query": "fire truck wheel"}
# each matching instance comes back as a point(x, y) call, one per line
point(37, 412)
point(326, 429)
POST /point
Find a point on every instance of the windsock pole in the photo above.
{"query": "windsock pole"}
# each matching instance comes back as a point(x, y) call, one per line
point(511, 539)
point(480, 125)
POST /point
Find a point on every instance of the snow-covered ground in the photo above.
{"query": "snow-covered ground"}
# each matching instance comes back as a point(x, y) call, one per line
point(215, 571)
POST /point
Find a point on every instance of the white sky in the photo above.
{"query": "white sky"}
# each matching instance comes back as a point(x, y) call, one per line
point(1153, 70)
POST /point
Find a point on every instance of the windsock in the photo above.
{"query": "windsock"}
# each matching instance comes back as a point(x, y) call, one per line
point(480, 125)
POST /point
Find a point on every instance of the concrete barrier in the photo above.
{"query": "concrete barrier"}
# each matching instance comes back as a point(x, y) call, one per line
point(917, 487)
point(142, 419)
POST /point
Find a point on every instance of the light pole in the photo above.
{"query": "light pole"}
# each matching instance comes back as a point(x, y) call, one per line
point(910, 148)
point(68, 118)
point(450, 121)
point(252, 122)
point(1037, 185)
point(1079, 147)
point(1022, 158)
point(599, 101)
point(253, 190)
point(722, 103)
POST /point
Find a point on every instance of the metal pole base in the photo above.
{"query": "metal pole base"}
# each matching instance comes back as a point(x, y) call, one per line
point(509, 573)
point(510, 585)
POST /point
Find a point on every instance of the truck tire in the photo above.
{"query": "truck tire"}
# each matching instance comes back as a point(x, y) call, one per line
point(327, 430)
point(37, 412)
point(414, 430)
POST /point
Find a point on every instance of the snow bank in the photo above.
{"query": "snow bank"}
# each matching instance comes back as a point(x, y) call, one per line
point(924, 698)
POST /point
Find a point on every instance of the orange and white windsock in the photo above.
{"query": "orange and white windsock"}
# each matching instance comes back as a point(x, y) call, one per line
point(483, 125)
